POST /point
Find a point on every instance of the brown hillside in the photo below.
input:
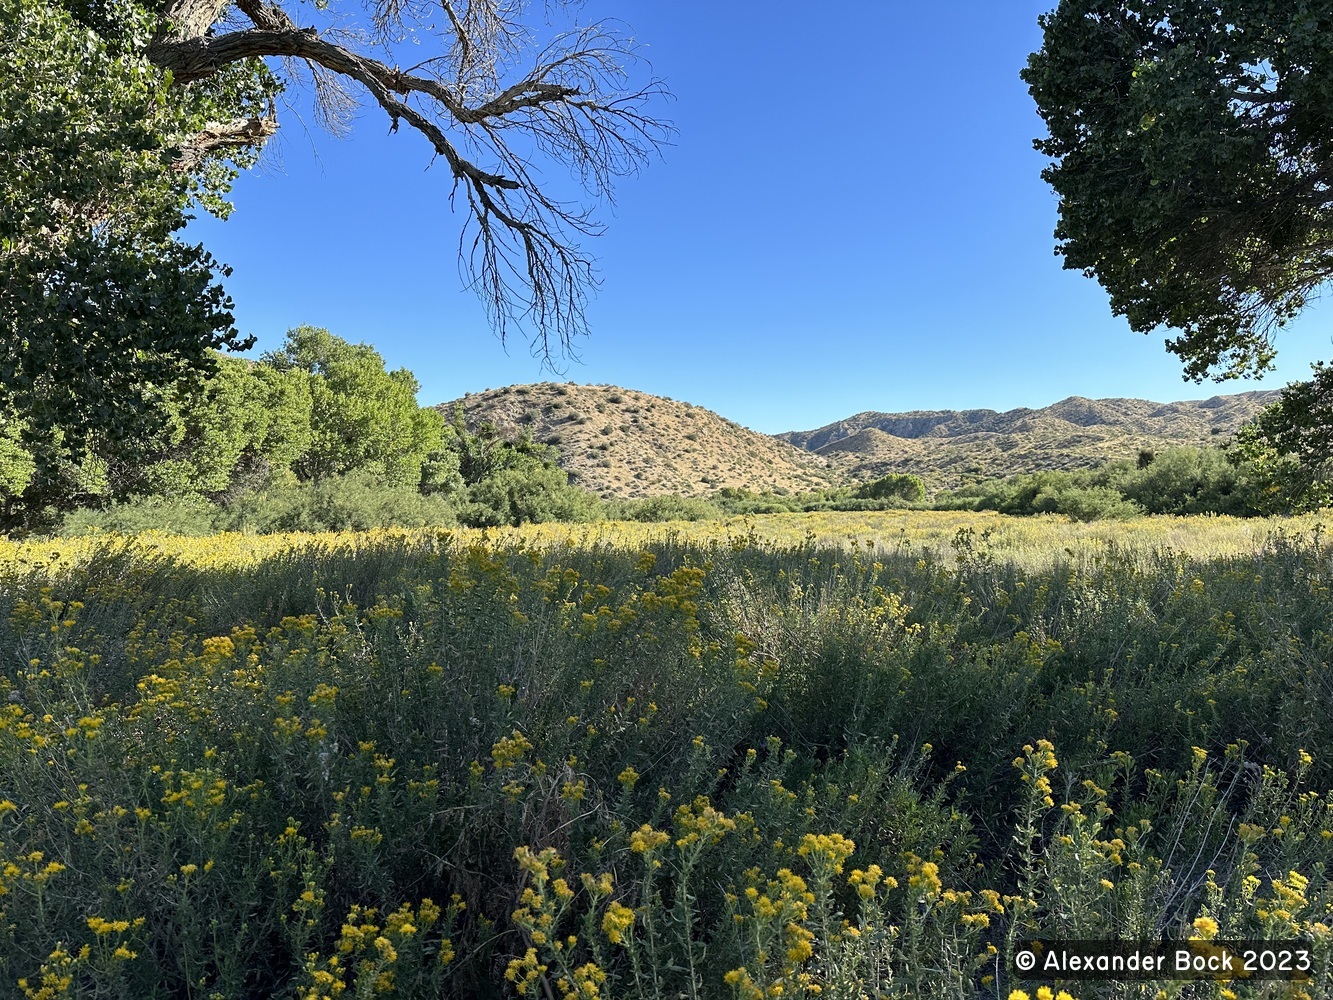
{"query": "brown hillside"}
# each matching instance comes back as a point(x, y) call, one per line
point(949, 447)
point(623, 443)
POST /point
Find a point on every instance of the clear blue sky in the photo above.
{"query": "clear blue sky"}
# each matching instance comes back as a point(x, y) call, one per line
point(850, 218)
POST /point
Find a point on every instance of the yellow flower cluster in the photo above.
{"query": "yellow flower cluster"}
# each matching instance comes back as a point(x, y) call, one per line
point(826, 852)
point(864, 882)
point(525, 972)
point(616, 922)
point(646, 840)
point(1034, 765)
point(924, 877)
point(510, 750)
point(700, 823)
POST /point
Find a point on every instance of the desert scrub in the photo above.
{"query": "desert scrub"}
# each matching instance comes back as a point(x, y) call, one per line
point(423, 764)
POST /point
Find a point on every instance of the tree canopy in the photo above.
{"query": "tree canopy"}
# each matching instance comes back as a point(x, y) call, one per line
point(1193, 158)
point(122, 118)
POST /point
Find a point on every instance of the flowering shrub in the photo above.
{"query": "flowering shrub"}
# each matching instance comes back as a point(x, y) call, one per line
point(423, 766)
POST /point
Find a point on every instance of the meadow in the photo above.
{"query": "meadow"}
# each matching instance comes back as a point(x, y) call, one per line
point(839, 755)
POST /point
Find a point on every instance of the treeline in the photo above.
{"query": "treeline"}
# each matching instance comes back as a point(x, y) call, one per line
point(1241, 480)
point(893, 491)
point(320, 436)
point(317, 435)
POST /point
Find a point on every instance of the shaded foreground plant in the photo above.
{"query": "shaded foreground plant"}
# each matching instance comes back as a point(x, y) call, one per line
point(421, 768)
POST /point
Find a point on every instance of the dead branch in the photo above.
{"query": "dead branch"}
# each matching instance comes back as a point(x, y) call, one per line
point(518, 248)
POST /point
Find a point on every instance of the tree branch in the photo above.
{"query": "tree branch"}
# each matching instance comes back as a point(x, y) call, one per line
point(561, 105)
point(185, 19)
point(221, 135)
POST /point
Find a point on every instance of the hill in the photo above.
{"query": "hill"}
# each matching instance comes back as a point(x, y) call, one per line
point(622, 443)
point(949, 447)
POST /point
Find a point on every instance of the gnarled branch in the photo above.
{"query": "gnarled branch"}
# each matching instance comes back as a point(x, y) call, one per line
point(523, 258)
point(240, 132)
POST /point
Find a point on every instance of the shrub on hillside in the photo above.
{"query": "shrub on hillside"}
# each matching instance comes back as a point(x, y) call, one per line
point(1187, 481)
point(527, 493)
point(1076, 494)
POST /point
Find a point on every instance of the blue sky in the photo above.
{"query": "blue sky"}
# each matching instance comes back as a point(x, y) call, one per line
point(851, 218)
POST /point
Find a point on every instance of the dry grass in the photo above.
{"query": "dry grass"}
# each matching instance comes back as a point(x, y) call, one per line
point(1031, 542)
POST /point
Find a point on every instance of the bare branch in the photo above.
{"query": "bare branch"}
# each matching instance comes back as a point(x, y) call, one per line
point(518, 247)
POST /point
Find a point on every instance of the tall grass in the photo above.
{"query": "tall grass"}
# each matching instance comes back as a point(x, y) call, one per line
point(422, 764)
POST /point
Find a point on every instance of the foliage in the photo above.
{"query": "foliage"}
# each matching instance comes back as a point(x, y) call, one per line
point(356, 501)
point(179, 516)
point(894, 486)
point(1187, 481)
point(223, 438)
point(362, 417)
point(514, 482)
point(892, 492)
point(101, 308)
point(529, 493)
point(317, 436)
point(121, 118)
point(1082, 495)
point(663, 508)
point(1288, 448)
point(1180, 480)
point(703, 771)
point(1191, 147)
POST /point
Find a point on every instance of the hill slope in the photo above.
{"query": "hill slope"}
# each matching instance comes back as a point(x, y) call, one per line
point(948, 447)
point(622, 443)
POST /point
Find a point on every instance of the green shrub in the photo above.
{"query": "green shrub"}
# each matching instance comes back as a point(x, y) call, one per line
point(895, 486)
point(412, 766)
point(663, 508)
point(358, 501)
point(180, 516)
point(527, 494)
point(1187, 481)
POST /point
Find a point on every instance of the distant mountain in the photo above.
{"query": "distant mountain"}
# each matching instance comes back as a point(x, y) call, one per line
point(622, 443)
point(949, 447)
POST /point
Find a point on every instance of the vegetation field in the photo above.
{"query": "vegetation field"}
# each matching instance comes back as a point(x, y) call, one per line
point(840, 755)
point(1030, 542)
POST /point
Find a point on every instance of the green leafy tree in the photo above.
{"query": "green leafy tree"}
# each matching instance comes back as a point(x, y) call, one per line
point(229, 434)
point(894, 486)
point(362, 417)
point(100, 307)
point(513, 481)
point(1286, 452)
point(1193, 149)
point(16, 472)
point(243, 425)
point(122, 118)
point(1184, 480)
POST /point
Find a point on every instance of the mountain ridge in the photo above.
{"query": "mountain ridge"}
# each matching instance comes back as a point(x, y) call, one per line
point(625, 443)
point(951, 447)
